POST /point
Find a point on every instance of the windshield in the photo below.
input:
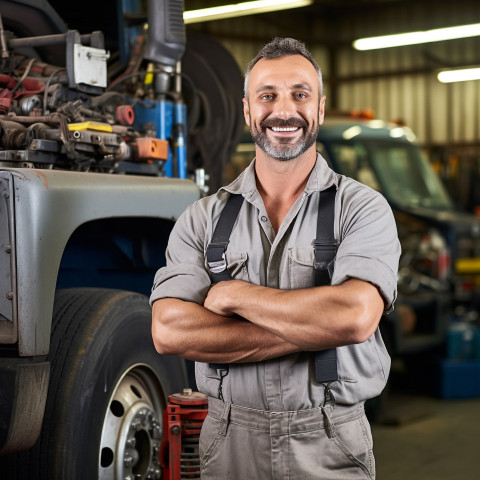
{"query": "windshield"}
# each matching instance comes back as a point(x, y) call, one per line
point(400, 171)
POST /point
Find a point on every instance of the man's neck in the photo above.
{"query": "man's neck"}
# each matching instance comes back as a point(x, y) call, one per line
point(283, 178)
point(281, 182)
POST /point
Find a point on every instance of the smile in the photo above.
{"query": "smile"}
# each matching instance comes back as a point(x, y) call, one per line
point(285, 129)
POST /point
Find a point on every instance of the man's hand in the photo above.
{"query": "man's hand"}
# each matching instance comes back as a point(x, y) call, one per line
point(220, 297)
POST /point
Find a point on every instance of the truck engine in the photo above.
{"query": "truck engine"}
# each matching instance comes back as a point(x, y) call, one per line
point(163, 112)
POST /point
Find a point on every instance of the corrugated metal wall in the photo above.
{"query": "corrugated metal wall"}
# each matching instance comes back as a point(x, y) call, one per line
point(438, 113)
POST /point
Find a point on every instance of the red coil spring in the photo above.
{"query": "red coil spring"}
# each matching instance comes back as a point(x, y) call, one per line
point(182, 421)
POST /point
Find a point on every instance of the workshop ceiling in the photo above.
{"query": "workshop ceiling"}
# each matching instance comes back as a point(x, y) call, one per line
point(336, 22)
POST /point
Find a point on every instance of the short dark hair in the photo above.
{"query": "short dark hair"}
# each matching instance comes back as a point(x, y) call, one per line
point(282, 47)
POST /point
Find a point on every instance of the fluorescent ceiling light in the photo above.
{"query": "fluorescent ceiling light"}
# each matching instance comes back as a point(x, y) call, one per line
point(239, 9)
point(460, 75)
point(414, 38)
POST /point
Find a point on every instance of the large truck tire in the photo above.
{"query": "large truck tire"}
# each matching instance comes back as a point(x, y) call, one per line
point(108, 389)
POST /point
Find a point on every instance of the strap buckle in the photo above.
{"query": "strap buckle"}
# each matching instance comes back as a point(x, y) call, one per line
point(216, 255)
point(324, 254)
point(218, 266)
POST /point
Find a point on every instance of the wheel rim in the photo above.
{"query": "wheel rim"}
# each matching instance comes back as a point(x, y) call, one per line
point(132, 428)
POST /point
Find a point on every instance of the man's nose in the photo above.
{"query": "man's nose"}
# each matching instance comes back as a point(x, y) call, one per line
point(284, 107)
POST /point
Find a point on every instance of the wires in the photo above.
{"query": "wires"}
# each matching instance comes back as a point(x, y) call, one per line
point(24, 76)
point(126, 77)
point(47, 86)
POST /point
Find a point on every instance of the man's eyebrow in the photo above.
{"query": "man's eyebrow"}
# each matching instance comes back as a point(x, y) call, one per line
point(263, 88)
point(296, 86)
point(302, 86)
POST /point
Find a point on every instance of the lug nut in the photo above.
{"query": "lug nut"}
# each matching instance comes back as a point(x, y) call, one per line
point(128, 461)
point(136, 424)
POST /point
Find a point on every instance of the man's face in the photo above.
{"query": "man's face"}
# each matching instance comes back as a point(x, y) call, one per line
point(284, 108)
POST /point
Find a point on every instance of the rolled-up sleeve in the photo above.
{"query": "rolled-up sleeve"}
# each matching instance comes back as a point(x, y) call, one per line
point(184, 276)
point(369, 249)
point(183, 281)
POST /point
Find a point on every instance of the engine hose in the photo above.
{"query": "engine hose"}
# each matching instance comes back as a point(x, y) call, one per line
point(40, 119)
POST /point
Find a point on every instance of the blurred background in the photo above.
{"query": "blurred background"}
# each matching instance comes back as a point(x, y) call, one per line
point(429, 172)
point(393, 122)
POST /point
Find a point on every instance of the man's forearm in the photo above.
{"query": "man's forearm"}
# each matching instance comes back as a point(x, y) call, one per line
point(195, 333)
point(313, 319)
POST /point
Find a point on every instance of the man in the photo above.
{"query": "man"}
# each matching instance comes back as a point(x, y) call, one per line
point(269, 417)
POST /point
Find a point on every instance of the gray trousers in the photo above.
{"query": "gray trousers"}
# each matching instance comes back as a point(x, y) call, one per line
point(326, 443)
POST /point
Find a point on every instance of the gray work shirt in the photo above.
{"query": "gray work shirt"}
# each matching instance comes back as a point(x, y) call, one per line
point(368, 250)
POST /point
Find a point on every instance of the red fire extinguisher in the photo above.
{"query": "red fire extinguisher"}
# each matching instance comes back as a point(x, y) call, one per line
point(182, 421)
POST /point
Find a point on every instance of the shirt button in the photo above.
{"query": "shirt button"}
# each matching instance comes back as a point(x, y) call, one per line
point(263, 218)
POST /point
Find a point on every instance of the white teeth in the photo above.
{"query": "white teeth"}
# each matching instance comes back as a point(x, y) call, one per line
point(284, 129)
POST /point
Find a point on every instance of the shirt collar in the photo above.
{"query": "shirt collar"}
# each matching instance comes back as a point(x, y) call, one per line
point(321, 178)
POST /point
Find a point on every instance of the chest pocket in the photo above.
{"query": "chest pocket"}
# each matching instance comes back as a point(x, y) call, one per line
point(301, 267)
point(237, 265)
point(301, 273)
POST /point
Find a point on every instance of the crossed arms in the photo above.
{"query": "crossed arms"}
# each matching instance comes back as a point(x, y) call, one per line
point(242, 322)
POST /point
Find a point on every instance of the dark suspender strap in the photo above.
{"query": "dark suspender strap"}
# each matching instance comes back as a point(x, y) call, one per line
point(217, 248)
point(324, 245)
point(221, 235)
point(325, 249)
point(326, 366)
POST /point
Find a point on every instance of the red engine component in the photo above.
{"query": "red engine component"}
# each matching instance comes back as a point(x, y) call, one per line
point(125, 115)
point(182, 422)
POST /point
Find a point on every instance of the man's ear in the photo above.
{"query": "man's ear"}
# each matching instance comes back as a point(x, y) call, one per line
point(246, 111)
point(321, 110)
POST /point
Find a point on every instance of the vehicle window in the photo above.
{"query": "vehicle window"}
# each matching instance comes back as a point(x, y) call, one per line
point(353, 162)
point(406, 176)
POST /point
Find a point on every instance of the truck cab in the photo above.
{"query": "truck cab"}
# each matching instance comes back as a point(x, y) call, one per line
point(439, 271)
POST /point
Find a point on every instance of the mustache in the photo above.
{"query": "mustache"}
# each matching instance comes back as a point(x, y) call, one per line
point(283, 122)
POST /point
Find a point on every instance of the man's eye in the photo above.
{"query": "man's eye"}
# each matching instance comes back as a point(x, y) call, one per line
point(267, 96)
point(300, 95)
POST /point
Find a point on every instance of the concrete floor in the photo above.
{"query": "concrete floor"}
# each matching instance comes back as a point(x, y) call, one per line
point(426, 438)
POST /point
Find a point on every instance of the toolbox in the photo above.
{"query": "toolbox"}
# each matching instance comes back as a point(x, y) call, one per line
point(457, 378)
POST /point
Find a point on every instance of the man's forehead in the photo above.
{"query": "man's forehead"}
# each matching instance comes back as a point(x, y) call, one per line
point(293, 70)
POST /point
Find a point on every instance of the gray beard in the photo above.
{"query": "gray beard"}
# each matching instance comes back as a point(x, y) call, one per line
point(284, 151)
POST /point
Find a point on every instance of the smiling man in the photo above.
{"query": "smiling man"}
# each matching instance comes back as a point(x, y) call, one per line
point(285, 340)
point(290, 136)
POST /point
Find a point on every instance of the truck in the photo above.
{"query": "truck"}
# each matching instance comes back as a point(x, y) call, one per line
point(439, 269)
point(100, 153)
